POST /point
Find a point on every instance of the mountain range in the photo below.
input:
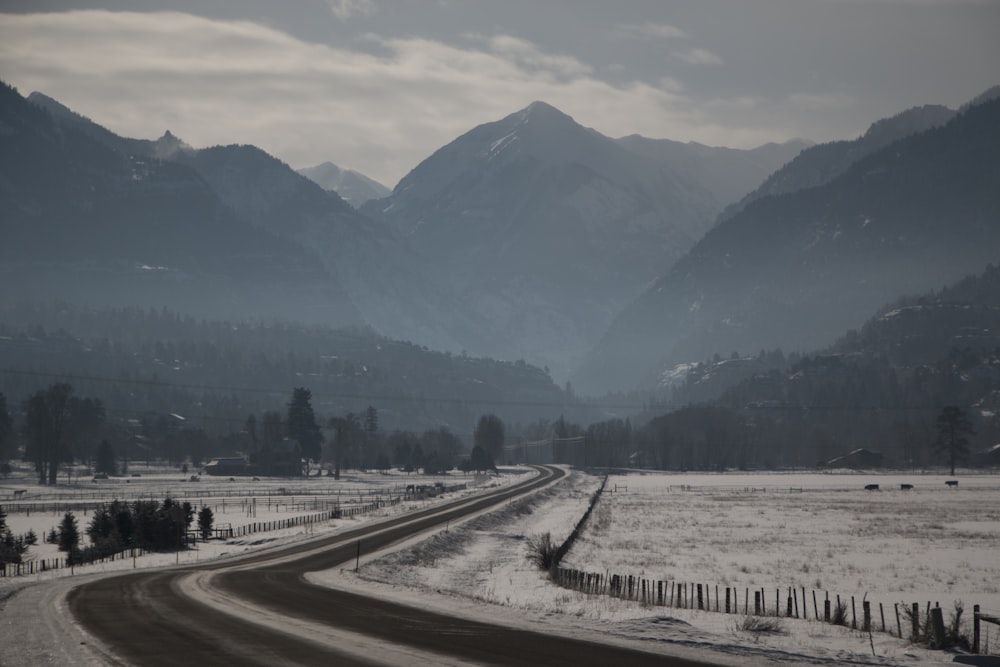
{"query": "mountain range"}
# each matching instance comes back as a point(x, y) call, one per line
point(544, 228)
point(793, 269)
point(519, 240)
point(610, 261)
point(353, 186)
point(87, 218)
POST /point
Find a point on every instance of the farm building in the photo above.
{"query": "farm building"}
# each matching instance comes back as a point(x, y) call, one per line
point(988, 458)
point(858, 459)
point(233, 465)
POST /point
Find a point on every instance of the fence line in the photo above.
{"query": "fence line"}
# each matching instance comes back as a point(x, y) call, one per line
point(789, 602)
point(793, 604)
point(31, 567)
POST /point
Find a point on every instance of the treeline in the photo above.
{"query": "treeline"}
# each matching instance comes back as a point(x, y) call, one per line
point(58, 430)
point(147, 360)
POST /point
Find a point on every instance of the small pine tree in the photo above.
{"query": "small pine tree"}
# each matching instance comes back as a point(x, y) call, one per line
point(205, 521)
point(69, 533)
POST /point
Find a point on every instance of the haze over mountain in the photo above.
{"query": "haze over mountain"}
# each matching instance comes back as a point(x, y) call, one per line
point(791, 270)
point(353, 186)
point(544, 228)
point(88, 223)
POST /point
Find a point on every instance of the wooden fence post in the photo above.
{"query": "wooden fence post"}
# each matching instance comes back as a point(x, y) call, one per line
point(937, 625)
point(916, 621)
point(975, 629)
point(854, 615)
point(700, 599)
point(727, 599)
point(866, 607)
point(756, 603)
point(815, 608)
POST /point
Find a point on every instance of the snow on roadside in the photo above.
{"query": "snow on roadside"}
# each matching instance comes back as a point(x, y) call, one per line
point(484, 560)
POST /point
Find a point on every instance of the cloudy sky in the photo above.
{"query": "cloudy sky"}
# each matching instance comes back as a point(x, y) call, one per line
point(378, 85)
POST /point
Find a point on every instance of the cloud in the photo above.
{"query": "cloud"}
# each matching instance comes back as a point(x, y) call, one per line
point(345, 9)
point(699, 57)
point(820, 101)
point(379, 105)
point(649, 31)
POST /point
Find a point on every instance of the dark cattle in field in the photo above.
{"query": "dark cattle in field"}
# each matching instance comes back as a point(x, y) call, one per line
point(871, 487)
point(952, 482)
point(906, 487)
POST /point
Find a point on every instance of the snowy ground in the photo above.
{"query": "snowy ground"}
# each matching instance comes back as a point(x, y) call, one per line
point(933, 543)
point(237, 503)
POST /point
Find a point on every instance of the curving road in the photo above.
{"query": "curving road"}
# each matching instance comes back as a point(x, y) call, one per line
point(153, 618)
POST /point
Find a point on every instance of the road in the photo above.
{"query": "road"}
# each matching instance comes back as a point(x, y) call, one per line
point(262, 611)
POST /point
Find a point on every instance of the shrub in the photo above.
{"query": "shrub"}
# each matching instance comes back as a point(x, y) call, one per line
point(839, 616)
point(761, 625)
point(542, 551)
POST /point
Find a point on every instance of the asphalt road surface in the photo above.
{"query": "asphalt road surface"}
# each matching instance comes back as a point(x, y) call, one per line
point(151, 618)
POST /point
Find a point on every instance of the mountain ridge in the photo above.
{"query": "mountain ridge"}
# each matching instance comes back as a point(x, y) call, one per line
point(918, 213)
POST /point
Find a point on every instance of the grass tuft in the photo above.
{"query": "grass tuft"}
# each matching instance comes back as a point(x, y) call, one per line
point(761, 625)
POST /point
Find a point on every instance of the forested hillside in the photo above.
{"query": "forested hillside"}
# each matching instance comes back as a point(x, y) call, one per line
point(217, 373)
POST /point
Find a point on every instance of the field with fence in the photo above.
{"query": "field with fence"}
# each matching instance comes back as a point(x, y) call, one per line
point(887, 553)
point(246, 510)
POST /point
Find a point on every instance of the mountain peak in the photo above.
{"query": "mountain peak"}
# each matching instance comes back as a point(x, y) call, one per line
point(169, 145)
point(539, 111)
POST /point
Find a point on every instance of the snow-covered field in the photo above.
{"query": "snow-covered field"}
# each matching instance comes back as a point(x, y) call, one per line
point(822, 531)
point(241, 502)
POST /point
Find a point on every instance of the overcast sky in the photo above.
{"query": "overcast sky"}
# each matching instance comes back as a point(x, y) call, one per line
point(378, 85)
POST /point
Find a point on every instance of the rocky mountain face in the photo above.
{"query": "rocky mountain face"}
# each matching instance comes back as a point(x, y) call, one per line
point(353, 186)
point(790, 270)
point(89, 219)
point(544, 228)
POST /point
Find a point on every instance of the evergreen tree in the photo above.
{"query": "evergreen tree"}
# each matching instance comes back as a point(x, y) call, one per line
point(953, 428)
point(6, 429)
point(205, 520)
point(301, 424)
point(47, 428)
point(69, 533)
point(11, 548)
point(481, 461)
point(489, 435)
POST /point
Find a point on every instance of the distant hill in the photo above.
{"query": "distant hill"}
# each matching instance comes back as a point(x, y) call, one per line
point(544, 227)
point(789, 270)
point(87, 219)
point(353, 186)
